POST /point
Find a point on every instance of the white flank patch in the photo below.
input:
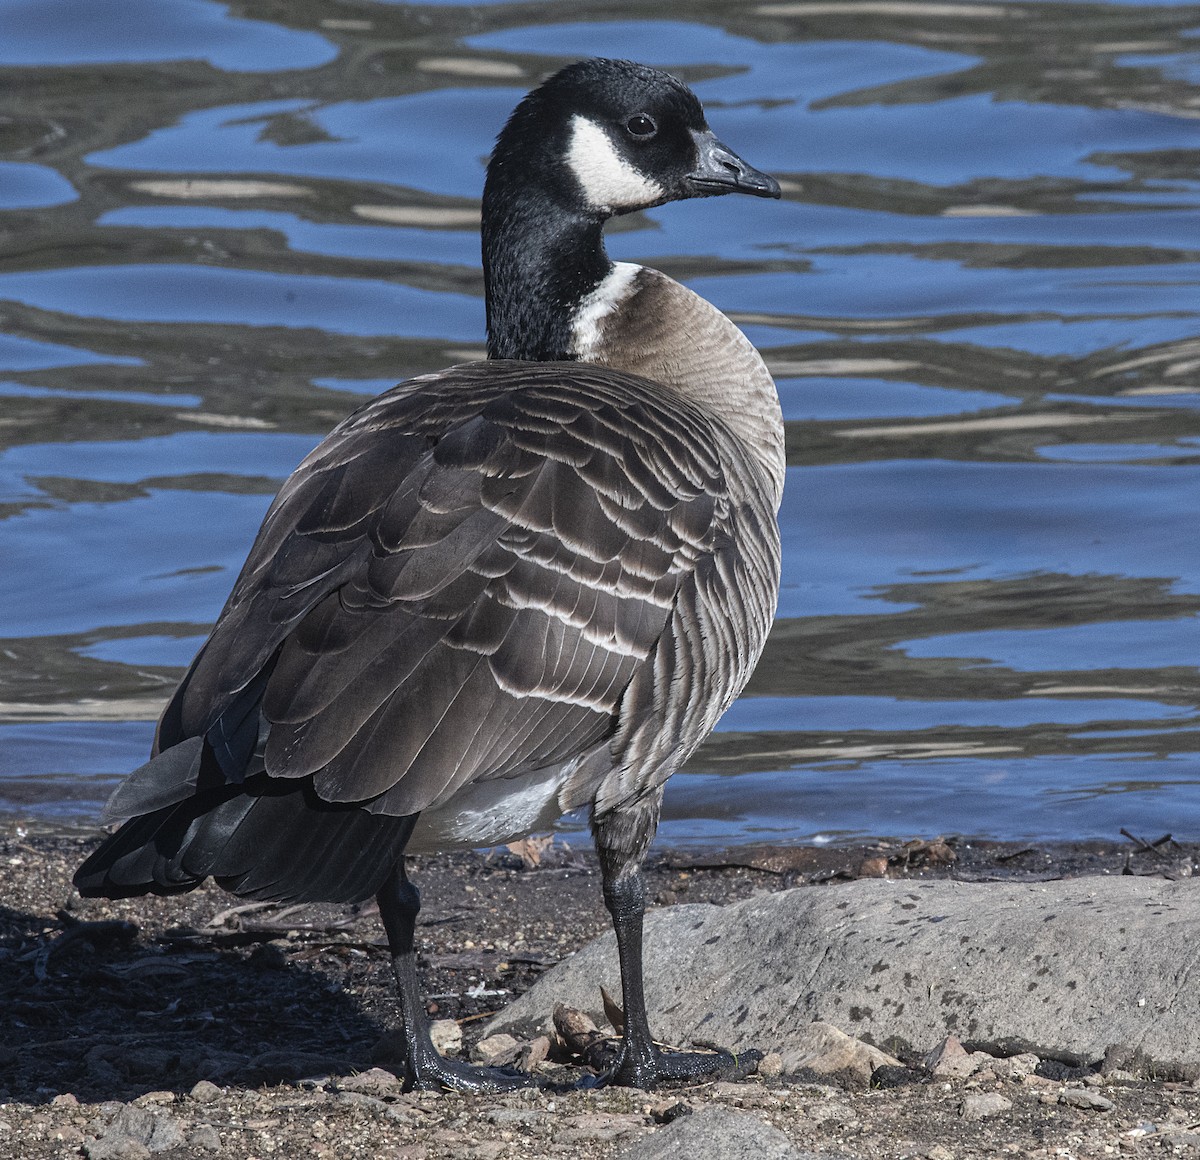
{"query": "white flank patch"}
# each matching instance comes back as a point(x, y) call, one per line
point(488, 813)
point(598, 305)
point(608, 181)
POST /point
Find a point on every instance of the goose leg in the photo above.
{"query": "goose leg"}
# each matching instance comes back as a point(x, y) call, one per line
point(424, 1067)
point(640, 1063)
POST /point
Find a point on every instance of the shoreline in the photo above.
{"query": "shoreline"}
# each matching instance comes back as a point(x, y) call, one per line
point(278, 1011)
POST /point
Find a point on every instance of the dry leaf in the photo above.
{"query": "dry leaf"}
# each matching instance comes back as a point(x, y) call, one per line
point(530, 850)
point(613, 1012)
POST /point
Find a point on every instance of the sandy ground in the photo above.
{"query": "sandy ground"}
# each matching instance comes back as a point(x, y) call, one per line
point(195, 1028)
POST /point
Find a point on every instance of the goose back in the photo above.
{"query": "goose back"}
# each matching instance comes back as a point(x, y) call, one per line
point(551, 572)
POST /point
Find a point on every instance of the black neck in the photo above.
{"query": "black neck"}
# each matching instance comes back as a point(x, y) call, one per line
point(541, 258)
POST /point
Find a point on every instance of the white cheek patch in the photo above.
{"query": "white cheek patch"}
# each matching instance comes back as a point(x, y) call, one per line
point(608, 181)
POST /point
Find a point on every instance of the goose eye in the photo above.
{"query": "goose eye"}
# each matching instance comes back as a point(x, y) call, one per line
point(641, 125)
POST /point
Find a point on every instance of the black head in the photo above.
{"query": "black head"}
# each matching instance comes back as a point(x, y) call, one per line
point(605, 137)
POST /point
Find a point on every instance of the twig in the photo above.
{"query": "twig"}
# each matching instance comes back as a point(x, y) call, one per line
point(1149, 847)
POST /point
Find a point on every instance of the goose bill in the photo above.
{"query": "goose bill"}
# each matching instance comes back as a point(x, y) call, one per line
point(720, 170)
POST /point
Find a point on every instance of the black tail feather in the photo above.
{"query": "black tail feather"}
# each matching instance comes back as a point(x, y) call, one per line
point(267, 838)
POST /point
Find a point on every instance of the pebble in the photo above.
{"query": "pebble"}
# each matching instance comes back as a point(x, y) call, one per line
point(152, 1099)
point(534, 1053)
point(116, 1146)
point(771, 1065)
point(496, 1050)
point(513, 1116)
point(1016, 1067)
point(1034, 1080)
point(374, 1081)
point(1085, 1098)
point(597, 1126)
point(446, 1035)
point(206, 1138)
point(980, 1105)
point(950, 1060)
point(827, 1050)
point(205, 1092)
point(360, 1100)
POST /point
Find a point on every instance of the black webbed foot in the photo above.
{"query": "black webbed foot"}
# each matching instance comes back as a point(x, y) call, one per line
point(647, 1070)
point(434, 1072)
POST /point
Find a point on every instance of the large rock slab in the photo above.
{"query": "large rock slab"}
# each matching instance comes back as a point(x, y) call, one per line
point(716, 1133)
point(1062, 968)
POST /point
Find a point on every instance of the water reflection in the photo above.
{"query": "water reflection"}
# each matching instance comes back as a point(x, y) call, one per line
point(979, 296)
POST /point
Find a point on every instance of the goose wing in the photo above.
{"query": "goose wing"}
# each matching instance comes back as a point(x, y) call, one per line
point(465, 580)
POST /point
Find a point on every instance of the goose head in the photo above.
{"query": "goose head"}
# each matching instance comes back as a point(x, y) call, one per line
point(606, 137)
point(597, 139)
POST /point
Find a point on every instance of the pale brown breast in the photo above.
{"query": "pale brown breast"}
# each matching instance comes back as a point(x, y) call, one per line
point(641, 321)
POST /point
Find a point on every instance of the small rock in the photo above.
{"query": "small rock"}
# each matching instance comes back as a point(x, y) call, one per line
point(132, 1121)
point(1015, 1066)
point(1035, 1080)
point(832, 1113)
point(950, 1060)
point(154, 1099)
point(668, 1111)
point(826, 1050)
point(938, 1152)
point(980, 1105)
point(206, 1138)
point(710, 1132)
point(69, 1135)
point(375, 1081)
point(1178, 1141)
point(205, 1092)
point(771, 1065)
point(1125, 1057)
point(116, 1146)
point(446, 1035)
point(496, 1050)
point(154, 1131)
point(598, 1126)
point(361, 1100)
point(1085, 1098)
point(167, 1134)
point(513, 1116)
point(533, 1053)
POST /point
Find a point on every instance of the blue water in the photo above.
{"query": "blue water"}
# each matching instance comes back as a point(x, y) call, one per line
point(980, 296)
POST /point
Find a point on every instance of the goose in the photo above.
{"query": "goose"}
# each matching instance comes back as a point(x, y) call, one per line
point(499, 592)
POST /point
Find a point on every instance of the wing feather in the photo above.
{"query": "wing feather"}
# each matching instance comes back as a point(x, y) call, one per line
point(487, 572)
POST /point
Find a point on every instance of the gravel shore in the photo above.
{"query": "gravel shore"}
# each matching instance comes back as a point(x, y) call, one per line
point(199, 1027)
